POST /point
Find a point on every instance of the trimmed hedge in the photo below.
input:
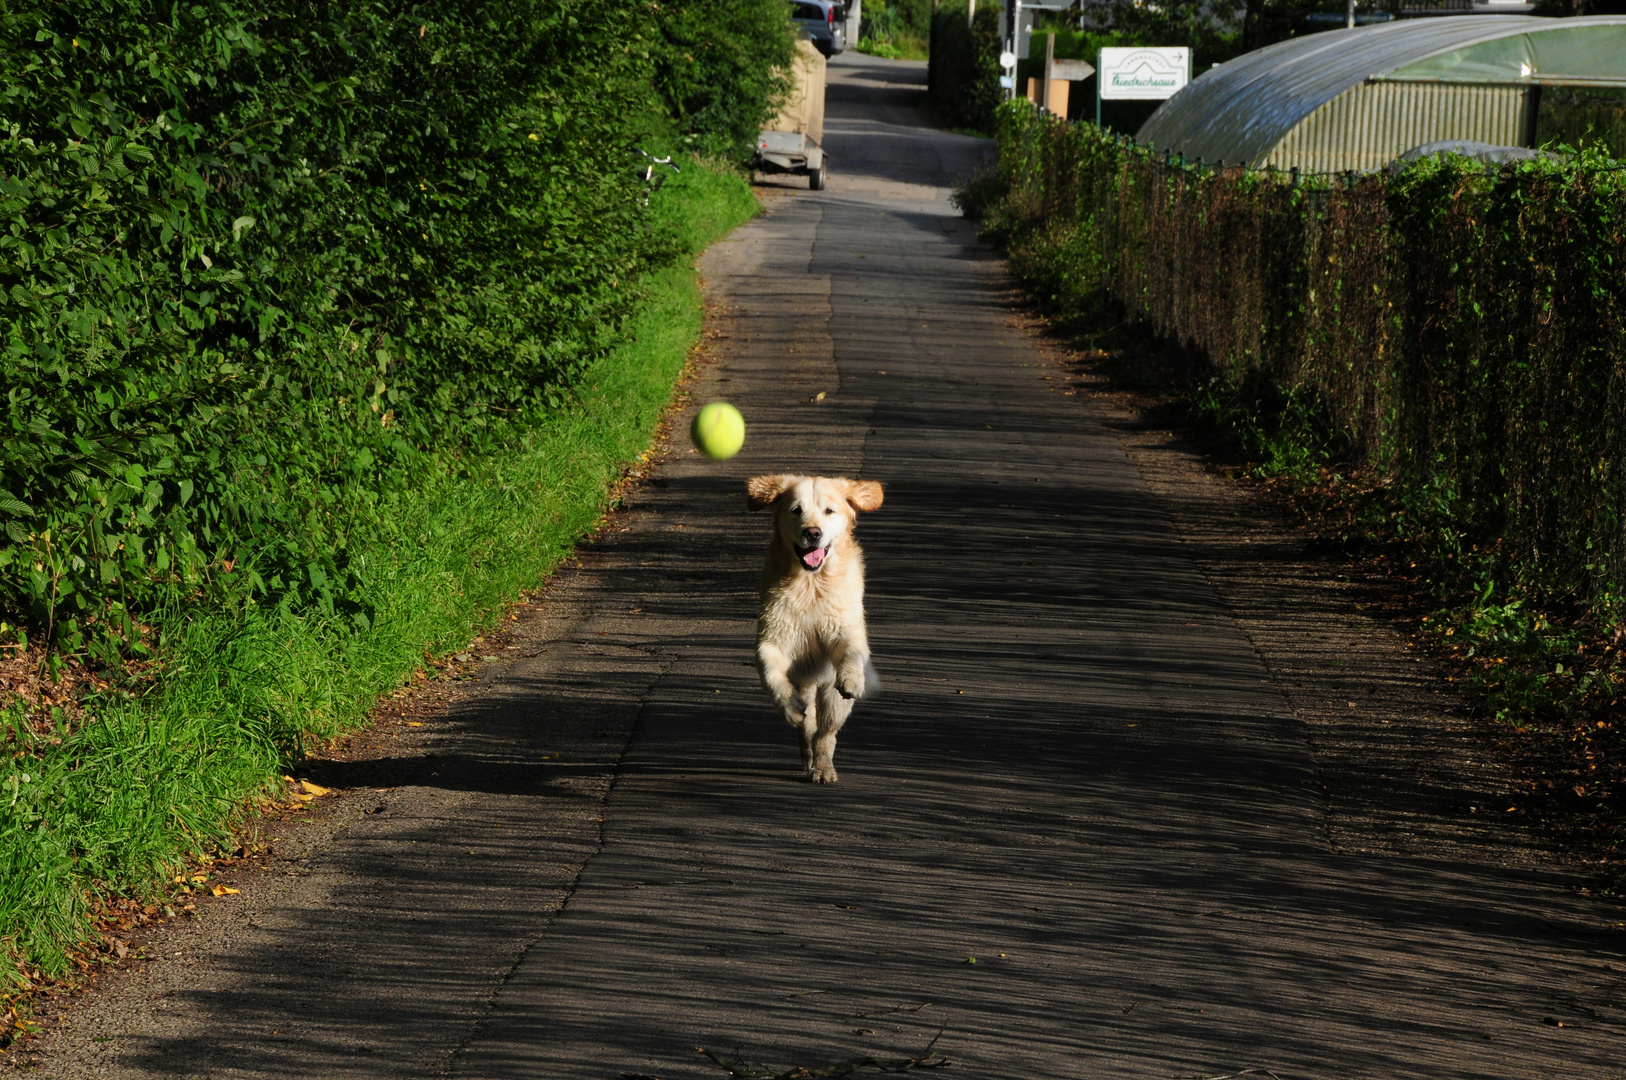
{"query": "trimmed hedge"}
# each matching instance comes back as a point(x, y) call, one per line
point(268, 266)
point(1466, 331)
point(962, 76)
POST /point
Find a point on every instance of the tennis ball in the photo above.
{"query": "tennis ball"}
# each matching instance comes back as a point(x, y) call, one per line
point(718, 430)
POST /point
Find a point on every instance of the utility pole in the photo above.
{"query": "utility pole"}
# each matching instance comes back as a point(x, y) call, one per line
point(1349, 14)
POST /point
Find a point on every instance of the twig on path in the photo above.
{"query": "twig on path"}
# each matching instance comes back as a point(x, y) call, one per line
point(896, 1009)
point(926, 1059)
point(1232, 1076)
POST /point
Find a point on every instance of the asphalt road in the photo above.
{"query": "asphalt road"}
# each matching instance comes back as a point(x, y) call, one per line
point(1080, 833)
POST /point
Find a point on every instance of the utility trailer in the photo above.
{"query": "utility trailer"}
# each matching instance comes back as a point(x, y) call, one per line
point(791, 144)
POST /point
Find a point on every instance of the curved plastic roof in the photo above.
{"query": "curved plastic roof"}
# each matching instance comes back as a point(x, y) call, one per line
point(1241, 109)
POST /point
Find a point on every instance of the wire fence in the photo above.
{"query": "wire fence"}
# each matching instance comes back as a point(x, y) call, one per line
point(1464, 327)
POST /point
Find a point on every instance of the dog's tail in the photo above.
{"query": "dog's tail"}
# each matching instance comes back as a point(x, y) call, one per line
point(872, 679)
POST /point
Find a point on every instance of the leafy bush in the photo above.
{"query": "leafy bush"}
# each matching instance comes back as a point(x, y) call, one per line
point(896, 29)
point(327, 327)
point(270, 266)
point(109, 806)
point(981, 192)
point(962, 75)
point(1461, 331)
point(721, 67)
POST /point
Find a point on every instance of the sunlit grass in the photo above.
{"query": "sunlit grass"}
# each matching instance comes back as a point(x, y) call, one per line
point(169, 771)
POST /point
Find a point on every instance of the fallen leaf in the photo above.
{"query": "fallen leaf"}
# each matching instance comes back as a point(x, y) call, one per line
point(225, 890)
point(314, 789)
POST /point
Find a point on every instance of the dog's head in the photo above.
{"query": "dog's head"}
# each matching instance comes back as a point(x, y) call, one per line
point(812, 513)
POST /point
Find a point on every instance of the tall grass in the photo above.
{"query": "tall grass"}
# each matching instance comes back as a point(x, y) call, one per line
point(167, 769)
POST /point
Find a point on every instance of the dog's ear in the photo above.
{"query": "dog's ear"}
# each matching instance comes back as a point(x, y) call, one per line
point(864, 495)
point(763, 490)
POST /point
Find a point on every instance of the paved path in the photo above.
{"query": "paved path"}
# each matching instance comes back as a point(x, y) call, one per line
point(1079, 773)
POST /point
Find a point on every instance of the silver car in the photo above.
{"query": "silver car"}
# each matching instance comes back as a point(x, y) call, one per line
point(824, 22)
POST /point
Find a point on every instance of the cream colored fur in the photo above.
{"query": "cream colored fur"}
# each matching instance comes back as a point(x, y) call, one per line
point(812, 647)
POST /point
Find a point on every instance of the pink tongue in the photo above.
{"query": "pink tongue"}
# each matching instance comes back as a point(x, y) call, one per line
point(813, 559)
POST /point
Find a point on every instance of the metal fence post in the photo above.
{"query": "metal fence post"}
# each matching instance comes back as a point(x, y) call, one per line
point(1098, 88)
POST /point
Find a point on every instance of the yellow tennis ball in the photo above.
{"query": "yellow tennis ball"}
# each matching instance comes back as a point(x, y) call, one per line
point(718, 430)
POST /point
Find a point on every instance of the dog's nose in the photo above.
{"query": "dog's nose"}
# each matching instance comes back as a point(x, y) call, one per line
point(812, 534)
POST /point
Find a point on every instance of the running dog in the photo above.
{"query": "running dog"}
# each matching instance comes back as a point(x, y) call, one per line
point(812, 648)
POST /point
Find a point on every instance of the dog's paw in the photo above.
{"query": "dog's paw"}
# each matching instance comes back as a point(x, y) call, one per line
point(823, 774)
point(850, 684)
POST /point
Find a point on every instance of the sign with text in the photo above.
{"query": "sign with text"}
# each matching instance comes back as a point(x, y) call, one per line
point(1146, 74)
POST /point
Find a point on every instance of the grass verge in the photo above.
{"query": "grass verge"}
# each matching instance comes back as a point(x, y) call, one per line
point(161, 769)
point(896, 47)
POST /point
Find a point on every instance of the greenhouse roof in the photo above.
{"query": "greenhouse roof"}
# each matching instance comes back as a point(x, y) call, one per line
point(1241, 109)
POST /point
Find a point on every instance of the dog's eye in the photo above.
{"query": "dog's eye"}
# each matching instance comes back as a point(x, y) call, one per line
point(796, 509)
point(829, 509)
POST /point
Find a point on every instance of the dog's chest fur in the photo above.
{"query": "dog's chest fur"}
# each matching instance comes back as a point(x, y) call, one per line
point(804, 612)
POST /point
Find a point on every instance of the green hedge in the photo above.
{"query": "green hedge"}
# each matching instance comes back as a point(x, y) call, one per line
point(1465, 331)
point(962, 76)
point(716, 65)
point(108, 807)
point(326, 327)
point(268, 267)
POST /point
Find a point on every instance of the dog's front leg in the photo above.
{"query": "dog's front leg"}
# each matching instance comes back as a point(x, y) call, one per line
point(852, 665)
point(774, 668)
point(773, 665)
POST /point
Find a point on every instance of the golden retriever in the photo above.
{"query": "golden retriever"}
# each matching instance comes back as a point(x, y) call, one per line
point(812, 648)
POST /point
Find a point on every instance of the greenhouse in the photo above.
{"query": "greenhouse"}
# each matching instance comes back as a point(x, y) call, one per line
point(1359, 99)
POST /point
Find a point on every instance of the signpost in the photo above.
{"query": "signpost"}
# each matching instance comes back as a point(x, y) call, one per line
point(1016, 30)
point(1140, 74)
point(1055, 88)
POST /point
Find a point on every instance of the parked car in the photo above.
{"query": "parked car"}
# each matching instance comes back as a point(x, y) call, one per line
point(824, 22)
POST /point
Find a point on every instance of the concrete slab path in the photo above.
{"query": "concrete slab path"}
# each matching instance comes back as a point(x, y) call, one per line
point(1079, 834)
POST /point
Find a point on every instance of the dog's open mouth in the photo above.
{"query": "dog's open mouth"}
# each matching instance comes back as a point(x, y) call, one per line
point(812, 558)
